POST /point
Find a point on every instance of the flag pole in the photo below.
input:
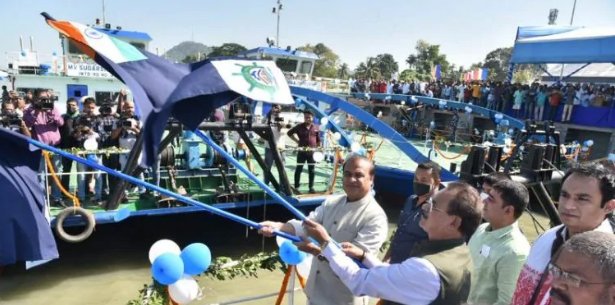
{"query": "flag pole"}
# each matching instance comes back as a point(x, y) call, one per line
point(133, 180)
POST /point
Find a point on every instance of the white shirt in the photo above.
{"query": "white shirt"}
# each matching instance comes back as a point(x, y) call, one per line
point(414, 281)
point(362, 222)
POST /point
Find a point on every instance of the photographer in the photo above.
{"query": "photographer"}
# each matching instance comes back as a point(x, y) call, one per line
point(67, 141)
point(84, 130)
point(44, 121)
point(106, 124)
point(126, 133)
point(10, 119)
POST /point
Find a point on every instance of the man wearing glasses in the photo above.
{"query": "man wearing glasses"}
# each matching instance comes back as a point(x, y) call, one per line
point(583, 271)
point(498, 248)
point(438, 271)
point(586, 200)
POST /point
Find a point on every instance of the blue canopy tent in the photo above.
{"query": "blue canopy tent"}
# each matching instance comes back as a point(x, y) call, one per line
point(568, 45)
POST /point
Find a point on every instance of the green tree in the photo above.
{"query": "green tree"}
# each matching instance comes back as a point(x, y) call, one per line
point(408, 75)
point(193, 58)
point(227, 49)
point(497, 62)
point(368, 69)
point(387, 65)
point(344, 71)
point(328, 63)
point(427, 56)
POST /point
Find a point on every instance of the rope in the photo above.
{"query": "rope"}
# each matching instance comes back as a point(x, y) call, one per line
point(336, 160)
point(282, 292)
point(57, 181)
point(437, 149)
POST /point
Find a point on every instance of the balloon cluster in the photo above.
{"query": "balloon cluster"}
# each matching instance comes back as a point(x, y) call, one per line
point(175, 268)
point(414, 100)
point(442, 104)
point(586, 145)
point(468, 109)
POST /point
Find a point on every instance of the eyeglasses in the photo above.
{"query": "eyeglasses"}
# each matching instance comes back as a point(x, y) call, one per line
point(428, 207)
point(570, 279)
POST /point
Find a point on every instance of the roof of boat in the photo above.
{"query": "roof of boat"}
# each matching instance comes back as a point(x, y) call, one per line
point(280, 52)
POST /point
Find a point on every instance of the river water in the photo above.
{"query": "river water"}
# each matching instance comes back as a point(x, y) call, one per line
point(112, 266)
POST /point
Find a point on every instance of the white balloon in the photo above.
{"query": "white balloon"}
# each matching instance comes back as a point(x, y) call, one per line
point(322, 127)
point(355, 147)
point(318, 156)
point(403, 103)
point(280, 240)
point(90, 144)
point(324, 121)
point(163, 246)
point(337, 136)
point(185, 290)
point(304, 267)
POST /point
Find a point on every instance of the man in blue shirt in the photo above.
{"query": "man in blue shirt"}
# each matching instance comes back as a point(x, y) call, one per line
point(425, 184)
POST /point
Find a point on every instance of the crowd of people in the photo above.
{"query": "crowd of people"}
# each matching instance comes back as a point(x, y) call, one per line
point(456, 244)
point(97, 125)
point(536, 101)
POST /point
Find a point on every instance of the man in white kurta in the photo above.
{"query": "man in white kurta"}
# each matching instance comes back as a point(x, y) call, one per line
point(353, 217)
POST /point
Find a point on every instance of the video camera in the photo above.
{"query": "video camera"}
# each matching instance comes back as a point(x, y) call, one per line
point(46, 103)
point(126, 122)
point(106, 108)
point(12, 119)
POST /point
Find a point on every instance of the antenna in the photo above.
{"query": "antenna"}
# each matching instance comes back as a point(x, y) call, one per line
point(103, 12)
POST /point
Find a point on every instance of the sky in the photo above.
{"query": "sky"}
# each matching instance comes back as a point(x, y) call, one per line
point(466, 30)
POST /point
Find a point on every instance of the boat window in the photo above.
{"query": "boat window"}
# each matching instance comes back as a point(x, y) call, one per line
point(138, 45)
point(306, 67)
point(73, 48)
point(286, 65)
point(105, 96)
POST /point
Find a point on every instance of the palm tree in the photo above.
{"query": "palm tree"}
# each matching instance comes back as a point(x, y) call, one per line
point(369, 69)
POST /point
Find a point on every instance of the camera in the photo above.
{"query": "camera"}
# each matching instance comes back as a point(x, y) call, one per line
point(12, 119)
point(86, 121)
point(46, 103)
point(106, 108)
point(126, 122)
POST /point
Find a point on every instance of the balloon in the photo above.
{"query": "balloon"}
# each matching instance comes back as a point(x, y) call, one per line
point(280, 240)
point(468, 109)
point(300, 107)
point(414, 100)
point(167, 268)
point(432, 124)
point(318, 156)
point(290, 254)
point(590, 143)
point(388, 97)
point(354, 147)
point(324, 121)
point(197, 258)
point(402, 103)
point(185, 290)
point(499, 116)
point(90, 144)
point(366, 96)
point(337, 136)
point(163, 246)
point(304, 267)
point(322, 127)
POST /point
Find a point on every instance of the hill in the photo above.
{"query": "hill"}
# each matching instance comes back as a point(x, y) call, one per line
point(180, 51)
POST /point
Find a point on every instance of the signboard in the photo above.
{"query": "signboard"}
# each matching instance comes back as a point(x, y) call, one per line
point(86, 70)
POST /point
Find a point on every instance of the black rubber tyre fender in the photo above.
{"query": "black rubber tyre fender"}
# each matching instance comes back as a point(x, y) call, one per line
point(90, 223)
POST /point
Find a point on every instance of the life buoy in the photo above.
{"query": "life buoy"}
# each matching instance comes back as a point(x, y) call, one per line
point(90, 222)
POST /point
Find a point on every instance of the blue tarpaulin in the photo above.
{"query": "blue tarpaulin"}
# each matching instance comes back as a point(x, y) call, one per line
point(564, 44)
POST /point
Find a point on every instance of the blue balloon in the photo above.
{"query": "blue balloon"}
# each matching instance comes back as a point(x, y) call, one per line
point(167, 268)
point(197, 258)
point(290, 254)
